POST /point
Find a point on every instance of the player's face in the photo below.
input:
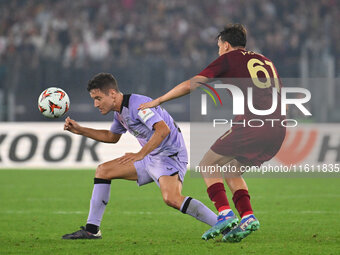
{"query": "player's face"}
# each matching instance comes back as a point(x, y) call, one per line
point(222, 47)
point(105, 102)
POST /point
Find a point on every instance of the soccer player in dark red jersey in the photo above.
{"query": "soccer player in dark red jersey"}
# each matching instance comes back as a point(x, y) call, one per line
point(240, 145)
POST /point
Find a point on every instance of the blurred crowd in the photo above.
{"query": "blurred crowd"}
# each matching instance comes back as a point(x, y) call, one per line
point(179, 32)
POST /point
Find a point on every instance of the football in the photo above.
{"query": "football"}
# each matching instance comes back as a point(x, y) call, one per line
point(53, 102)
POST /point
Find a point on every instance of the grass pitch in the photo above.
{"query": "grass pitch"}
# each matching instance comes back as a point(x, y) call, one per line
point(297, 216)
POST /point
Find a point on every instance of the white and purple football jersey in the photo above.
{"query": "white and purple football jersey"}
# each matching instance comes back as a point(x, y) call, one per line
point(140, 124)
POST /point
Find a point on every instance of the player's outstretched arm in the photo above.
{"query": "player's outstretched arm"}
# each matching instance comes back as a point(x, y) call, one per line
point(162, 130)
point(181, 89)
point(100, 135)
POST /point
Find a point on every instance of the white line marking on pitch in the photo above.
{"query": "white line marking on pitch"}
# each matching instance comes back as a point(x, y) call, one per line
point(147, 212)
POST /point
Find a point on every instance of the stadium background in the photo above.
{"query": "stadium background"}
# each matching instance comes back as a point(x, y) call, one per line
point(150, 46)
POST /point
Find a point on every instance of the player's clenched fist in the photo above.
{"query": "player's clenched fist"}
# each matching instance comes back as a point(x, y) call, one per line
point(72, 126)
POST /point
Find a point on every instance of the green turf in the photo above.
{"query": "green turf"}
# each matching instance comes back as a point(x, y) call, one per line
point(297, 216)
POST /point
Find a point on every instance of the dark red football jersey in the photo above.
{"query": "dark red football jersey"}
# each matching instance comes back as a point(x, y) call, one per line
point(248, 69)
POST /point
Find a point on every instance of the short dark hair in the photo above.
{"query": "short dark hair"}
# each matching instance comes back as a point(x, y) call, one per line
point(235, 34)
point(104, 82)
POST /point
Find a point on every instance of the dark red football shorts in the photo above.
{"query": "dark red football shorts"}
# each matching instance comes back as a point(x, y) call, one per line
point(251, 145)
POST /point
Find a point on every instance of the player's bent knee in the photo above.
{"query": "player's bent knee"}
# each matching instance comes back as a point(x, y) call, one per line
point(172, 200)
point(101, 172)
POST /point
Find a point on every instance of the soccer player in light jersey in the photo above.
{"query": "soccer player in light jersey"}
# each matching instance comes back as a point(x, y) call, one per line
point(240, 145)
point(162, 159)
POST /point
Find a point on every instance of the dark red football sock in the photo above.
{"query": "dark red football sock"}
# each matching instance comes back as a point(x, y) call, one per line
point(217, 195)
point(241, 200)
